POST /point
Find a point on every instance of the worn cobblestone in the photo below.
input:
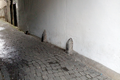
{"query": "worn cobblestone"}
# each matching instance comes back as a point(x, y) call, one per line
point(24, 57)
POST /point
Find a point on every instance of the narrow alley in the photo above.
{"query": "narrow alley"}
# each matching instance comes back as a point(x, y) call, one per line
point(24, 57)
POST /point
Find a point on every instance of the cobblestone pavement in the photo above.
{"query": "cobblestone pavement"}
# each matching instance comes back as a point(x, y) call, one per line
point(24, 57)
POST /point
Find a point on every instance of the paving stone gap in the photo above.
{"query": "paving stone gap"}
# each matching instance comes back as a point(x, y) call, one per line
point(24, 57)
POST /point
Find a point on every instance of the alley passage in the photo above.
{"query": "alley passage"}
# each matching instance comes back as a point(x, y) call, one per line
point(24, 57)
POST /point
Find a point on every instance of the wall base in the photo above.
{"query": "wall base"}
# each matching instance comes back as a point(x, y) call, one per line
point(97, 66)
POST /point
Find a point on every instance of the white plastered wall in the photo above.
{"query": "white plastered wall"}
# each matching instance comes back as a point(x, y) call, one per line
point(94, 26)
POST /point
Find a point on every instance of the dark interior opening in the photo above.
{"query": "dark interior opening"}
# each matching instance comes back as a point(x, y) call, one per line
point(11, 11)
point(15, 14)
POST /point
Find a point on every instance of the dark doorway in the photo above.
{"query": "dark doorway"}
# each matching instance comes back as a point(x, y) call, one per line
point(15, 14)
point(11, 11)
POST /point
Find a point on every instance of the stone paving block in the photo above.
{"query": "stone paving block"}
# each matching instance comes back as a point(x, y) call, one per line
point(38, 78)
point(1, 78)
point(50, 75)
point(94, 79)
point(68, 77)
point(57, 78)
point(88, 76)
point(62, 78)
point(82, 73)
point(83, 78)
point(38, 74)
point(5, 73)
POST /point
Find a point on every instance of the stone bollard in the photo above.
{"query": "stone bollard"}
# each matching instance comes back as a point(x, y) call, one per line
point(69, 46)
point(44, 36)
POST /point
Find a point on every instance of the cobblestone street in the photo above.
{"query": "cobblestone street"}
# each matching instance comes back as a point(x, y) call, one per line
point(24, 57)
